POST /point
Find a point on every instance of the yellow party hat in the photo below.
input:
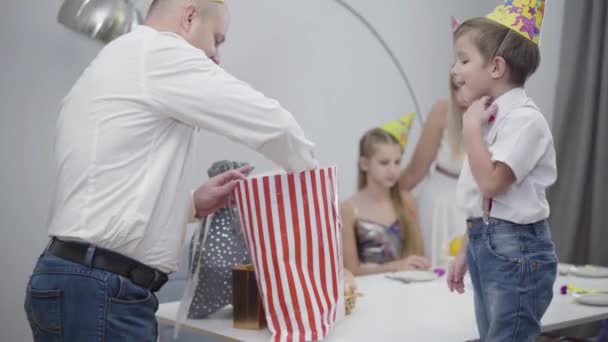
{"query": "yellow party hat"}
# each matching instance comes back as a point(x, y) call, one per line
point(400, 129)
point(522, 16)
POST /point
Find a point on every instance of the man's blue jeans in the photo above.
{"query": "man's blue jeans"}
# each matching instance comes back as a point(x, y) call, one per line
point(66, 301)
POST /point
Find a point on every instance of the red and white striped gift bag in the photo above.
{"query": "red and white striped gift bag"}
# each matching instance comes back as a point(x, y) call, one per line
point(293, 231)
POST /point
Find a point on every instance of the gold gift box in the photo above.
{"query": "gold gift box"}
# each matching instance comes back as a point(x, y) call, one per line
point(248, 311)
point(350, 299)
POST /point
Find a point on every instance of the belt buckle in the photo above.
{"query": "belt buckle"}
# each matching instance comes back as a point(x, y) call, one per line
point(152, 282)
point(159, 280)
point(140, 277)
point(147, 277)
point(155, 281)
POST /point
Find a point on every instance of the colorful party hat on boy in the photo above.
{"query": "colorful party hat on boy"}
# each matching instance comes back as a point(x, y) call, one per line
point(522, 16)
point(400, 129)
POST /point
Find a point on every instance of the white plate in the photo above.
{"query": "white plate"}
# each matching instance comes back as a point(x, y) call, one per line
point(415, 275)
point(596, 299)
point(589, 271)
point(563, 269)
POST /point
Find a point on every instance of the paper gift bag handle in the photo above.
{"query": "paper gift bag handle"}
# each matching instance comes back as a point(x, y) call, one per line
point(184, 304)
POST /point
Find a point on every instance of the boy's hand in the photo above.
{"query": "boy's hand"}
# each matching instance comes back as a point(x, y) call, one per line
point(480, 112)
point(456, 272)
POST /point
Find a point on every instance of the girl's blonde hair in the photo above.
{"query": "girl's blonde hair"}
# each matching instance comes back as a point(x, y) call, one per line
point(454, 124)
point(367, 147)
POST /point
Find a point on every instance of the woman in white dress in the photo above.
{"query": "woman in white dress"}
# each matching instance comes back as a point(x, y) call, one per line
point(438, 157)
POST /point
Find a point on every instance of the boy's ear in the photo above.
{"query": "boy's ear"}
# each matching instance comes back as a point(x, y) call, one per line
point(499, 67)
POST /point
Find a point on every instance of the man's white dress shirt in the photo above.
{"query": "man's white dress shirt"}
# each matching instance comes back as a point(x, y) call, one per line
point(126, 137)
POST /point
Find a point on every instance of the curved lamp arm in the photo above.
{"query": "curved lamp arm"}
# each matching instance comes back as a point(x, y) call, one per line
point(390, 53)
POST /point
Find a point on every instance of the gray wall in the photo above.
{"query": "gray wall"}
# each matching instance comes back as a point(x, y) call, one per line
point(311, 55)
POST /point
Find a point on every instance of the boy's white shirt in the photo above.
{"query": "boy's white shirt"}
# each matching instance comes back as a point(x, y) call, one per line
point(521, 138)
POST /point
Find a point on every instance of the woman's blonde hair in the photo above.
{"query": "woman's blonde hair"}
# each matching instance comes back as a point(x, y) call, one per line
point(367, 147)
point(454, 124)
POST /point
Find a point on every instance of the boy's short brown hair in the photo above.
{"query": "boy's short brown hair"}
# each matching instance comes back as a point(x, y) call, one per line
point(493, 39)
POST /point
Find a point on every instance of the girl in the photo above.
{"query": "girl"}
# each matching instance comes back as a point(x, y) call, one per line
point(381, 232)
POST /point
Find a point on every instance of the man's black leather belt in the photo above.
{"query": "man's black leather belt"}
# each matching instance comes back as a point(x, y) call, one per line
point(107, 260)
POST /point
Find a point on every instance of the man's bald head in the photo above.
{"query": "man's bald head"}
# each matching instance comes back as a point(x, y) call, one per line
point(207, 6)
point(203, 23)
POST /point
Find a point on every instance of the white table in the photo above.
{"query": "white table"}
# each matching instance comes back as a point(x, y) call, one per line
point(392, 311)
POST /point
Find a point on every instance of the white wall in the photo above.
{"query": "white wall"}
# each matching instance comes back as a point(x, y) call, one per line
point(324, 65)
point(40, 61)
point(311, 55)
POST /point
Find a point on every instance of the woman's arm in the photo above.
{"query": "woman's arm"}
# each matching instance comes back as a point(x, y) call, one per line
point(411, 209)
point(426, 148)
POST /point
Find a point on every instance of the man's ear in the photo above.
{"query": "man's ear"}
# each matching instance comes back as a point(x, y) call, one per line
point(188, 16)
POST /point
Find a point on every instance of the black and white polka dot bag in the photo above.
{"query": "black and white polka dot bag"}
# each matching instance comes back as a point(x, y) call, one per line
point(215, 249)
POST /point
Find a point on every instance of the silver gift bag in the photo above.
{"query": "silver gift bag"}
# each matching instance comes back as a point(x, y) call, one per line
point(214, 252)
point(216, 247)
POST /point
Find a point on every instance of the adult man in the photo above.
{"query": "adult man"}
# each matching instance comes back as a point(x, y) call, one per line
point(126, 137)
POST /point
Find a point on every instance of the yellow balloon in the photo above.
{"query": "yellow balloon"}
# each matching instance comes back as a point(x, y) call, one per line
point(455, 245)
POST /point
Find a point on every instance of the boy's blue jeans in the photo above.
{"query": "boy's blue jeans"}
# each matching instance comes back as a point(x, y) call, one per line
point(513, 268)
point(66, 301)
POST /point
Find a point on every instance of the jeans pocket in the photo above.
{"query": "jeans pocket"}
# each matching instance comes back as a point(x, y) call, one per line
point(43, 310)
point(130, 314)
point(504, 246)
point(124, 291)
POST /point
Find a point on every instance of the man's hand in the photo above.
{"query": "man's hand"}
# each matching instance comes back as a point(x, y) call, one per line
point(215, 194)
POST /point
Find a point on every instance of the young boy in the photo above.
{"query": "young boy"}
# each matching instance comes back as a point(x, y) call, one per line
point(510, 163)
